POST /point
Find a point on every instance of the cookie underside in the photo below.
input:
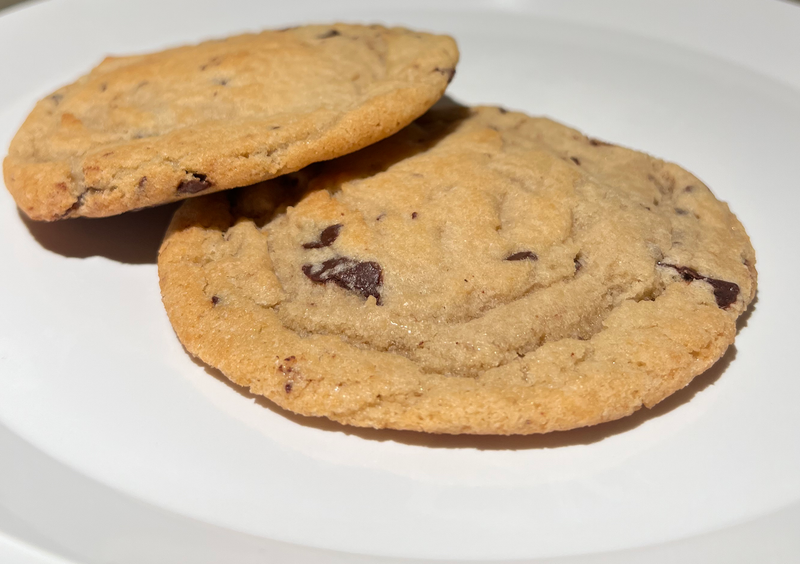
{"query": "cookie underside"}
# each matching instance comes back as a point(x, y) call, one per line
point(480, 272)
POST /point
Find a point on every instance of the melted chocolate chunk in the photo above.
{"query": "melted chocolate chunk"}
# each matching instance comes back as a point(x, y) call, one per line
point(523, 255)
point(214, 300)
point(725, 293)
point(326, 238)
point(196, 184)
point(686, 273)
point(414, 215)
point(363, 278)
point(329, 33)
point(448, 72)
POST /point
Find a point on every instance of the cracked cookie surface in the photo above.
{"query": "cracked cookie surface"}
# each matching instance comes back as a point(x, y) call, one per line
point(481, 271)
point(149, 129)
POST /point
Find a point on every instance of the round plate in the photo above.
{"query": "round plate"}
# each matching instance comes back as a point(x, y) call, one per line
point(116, 446)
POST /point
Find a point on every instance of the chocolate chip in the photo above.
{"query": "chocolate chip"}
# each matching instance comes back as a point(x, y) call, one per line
point(326, 238)
point(681, 211)
point(56, 98)
point(725, 293)
point(196, 184)
point(214, 300)
point(220, 81)
point(364, 278)
point(523, 255)
point(414, 215)
point(502, 110)
point(327, 34)
point(575, 160)
point(142, 183)
point(578, 264)
point(598, 143)
point(688, 189)
point(686, 273)
point(288, 387)
point(79, 201)
point(448, 72)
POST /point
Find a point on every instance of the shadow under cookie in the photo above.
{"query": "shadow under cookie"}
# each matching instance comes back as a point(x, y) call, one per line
point(130, 238)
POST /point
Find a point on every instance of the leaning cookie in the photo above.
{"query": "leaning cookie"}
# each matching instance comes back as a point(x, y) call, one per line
point(482, 271)
point(144, 130)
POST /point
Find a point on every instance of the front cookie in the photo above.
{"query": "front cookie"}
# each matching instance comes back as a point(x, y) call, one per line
point(149, 129)
point(479, 272)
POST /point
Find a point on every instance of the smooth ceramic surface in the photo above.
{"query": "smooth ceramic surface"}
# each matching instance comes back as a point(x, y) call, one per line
point(115, 446)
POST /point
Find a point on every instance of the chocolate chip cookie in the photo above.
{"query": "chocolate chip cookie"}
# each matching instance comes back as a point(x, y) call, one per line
point(481, 271)
point(149, 129)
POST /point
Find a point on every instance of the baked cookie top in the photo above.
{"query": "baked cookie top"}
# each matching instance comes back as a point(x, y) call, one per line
point(481, 271)
point(149, 129)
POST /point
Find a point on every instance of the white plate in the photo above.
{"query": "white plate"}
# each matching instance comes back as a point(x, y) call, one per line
point(116, 447)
